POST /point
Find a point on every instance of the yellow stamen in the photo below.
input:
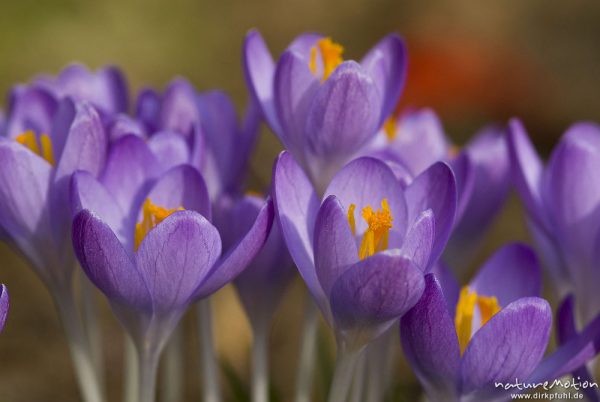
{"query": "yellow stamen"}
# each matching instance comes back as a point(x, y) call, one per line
point(351, 219)
point(152, 215)
point(465, 308)
point(389, 127)
point(29, 140)
point(331, 54)
point(376, 236)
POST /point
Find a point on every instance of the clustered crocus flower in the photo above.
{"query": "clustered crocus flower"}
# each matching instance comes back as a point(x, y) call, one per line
point(378, 210)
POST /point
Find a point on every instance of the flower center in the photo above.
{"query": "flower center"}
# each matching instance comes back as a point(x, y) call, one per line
point(152, 215)
point(379, 223)
point(41, 146)
point(331, 54)
point(465, 309)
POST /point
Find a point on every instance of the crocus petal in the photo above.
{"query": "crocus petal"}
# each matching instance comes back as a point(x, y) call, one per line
point(182, 186)
point(175, 257)
point(30, 108)
point(565, 330)
point(123, 125)
point(571, 192)
point(88, 193)
point(527, 169)
point(510, 345)
point(107, 264)
point(365, 182)
point(387, 63)
point(464, 172)
point(344, 113)
point(259, 72)
point(511, 273)
point(571, 355)
point(296, 205)
point(169, 148)
point(178, 110)
point(374, 292)
point(449, 285)
point(418, 242)
point(85, 149)
point(240, 255)
point(4, 305)
point(334, 245)
point(24, 183)
point(434, 189)
point(147, 109)
point(420, 140)
point(130, 170)
point(261, 286)
point(116, 88)
point(430, 342)
point(488, 152)
point(294, 88)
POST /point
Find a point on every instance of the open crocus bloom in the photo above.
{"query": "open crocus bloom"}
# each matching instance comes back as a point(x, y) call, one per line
point(34, 187)
point(153, 262)
point(4, 305)
point(34, 106)
point(495, 330)
point(563, 208)
point(416, 139)
point(324, 109)
point(364, 250)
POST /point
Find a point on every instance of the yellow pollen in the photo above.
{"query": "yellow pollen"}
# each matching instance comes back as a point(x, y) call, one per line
point(331, 54)
point(152, 215)
point(351, 219)
point(41, 146)
point(465, 308)
point(379, 223)
point(389, 127)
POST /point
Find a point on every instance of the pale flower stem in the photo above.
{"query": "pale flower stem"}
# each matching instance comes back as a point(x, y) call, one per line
point(148, 365)
point(79, 347)
point(210, 370)
point(130, 371)
point(260, 362)
point(90, 319)
point(346, 361)
point(172, 371)
point(380, 364)
point(304, 376)
point(358, 383)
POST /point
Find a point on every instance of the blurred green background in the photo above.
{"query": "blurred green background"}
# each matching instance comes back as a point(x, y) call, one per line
point(473, 61)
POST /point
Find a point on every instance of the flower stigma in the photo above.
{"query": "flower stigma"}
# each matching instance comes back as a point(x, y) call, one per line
point(41, 146)
point(331, 54)
point(379, 223)
point(465, 309)
point(152, 215)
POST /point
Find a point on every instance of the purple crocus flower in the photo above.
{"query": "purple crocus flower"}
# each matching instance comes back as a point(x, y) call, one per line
point(4, 305)
point(363, 250)
point(207, 128)
point(34, 188)
point(562, 201)
point(495, 330)
point(33, 106)
point(154, 261)
point(416, 140)
point(323, 109)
